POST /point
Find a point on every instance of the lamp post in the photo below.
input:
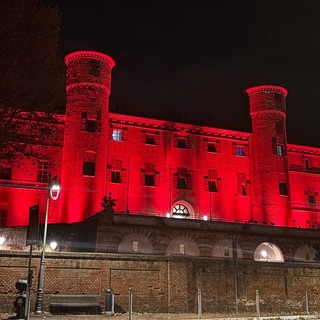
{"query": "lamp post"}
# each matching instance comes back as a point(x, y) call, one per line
point(53, 193)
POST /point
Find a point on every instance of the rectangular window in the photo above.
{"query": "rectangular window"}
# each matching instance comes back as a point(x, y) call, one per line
point(115, 176)
point(280, 150)
point(92, 124)
point(117, 135)
point(283, 189)
point(212, 185)
point(211, 182)
point(89, 164)
point(5, 173)
point(181, 248)
point(149, 176)
point(240, 151)
point(149, 180)
point(212, 147)
point(150, 138)
point(311, 200)
point(182, 144)
point(243, 185)
point(182, 183)
point(43, 171)
point(89, 169)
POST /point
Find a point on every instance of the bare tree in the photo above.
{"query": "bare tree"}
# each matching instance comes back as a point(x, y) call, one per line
point(31, 75)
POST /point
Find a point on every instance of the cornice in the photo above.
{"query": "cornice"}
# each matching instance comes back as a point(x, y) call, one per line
point(89, 55)
point(98, 86)
point(266, 89)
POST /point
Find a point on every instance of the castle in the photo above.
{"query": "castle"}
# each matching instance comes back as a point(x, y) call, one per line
point(161, 168)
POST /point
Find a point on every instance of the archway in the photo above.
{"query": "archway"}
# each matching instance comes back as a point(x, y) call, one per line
point(268, 252)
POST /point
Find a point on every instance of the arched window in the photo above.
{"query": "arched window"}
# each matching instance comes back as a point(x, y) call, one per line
point(268, 252)
point(180, 211)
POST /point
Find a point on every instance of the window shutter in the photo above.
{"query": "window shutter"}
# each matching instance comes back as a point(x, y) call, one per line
point(175, 180)
point(205, 145)
point(234, 147)
point(99, 126)
point(143, 136)
point(175, 140)
point(306, 194)
point(157, 138)
point(189, 182)
point(206, 183)
point(124, 134)
point(188, 142)
point(108, 174)
point(241, 180)
point(142, 176)
point(248, 185)
point(218, 147)
point(246, 150)
point(157, 179)
point(274, 145)
point(124, 175)
point(219, 185)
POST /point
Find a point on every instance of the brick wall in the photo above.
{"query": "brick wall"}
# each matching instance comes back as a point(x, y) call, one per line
point(168, 283)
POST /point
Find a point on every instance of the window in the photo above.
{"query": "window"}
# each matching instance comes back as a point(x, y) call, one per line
point(311, 196)
point(311, 200)
point(5, 173)
point(119, 134)
point(283, 189)
point(182, 183)
point(149, 179)
point(239, 149)
point(150, 138)
point(211, 182)
point(149, 175)
point(243, 185)
point(181, 142)
point(211, 146)
point(280, 150)
point(43, 171)
point(182, 179)
point(91, 123)
point(89, 164)
point(115, 176)
point(181, 248)
point(180, 211)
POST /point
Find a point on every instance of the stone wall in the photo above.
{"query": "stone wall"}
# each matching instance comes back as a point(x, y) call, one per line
point(168, 283)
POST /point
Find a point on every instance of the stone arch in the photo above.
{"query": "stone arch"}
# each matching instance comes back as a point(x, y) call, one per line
point(223, 248)
point(305, 253)
point(135, 243)
point(182, 244)
point(182, 209)
point(268, 252)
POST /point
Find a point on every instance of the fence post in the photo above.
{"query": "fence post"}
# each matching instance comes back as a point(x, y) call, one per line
point(199, 305)
point(130, 304)
point(258, 303)
point(307, 303)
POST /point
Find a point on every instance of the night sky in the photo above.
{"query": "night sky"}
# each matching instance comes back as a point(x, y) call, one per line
point(192, 60)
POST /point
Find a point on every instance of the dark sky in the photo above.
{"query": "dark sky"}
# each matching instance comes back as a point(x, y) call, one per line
point(192, 60)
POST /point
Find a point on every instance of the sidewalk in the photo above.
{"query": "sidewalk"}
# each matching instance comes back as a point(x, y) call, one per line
point(156, 316)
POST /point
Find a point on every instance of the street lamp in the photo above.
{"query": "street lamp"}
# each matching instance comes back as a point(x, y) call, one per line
point(53, 193)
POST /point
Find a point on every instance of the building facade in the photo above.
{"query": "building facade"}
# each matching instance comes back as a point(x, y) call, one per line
point(162, 168)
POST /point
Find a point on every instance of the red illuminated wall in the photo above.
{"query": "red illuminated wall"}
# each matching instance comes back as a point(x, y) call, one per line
point(150, 166)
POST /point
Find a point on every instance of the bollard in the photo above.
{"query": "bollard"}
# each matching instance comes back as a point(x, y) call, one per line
point(258, 303)
point(199, 305)
point(109, 303)
point(307, 303)
point(130, 304)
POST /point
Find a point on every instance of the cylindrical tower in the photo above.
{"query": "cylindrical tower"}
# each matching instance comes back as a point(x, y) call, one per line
point(268, 156)
point(88, 86)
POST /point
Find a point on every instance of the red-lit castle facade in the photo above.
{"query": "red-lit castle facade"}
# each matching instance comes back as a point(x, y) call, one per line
point(161, 168)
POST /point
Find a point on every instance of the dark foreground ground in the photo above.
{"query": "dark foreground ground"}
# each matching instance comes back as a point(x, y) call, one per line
point(156, 316)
